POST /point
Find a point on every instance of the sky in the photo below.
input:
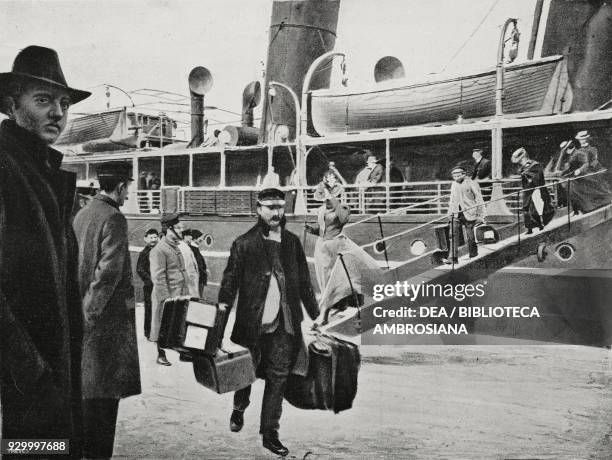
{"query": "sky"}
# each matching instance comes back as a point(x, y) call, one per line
point(153, 44)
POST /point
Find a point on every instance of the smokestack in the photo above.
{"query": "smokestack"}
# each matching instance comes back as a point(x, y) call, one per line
point(200, 82)
point(300, 32)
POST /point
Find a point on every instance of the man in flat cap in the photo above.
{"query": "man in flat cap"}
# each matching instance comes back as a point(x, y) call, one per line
point(267, 269)
point(466, 208)
point(40, 308)
point(168, 273)
point(110, 366)
point(537, 206)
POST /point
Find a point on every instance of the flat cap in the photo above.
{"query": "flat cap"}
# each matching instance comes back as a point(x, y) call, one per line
point(271, 197)
point(458, 168)
point(121, 170)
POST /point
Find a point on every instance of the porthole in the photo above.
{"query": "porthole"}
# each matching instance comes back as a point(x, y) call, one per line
point(418, 247)
point(565, 252)
point(379, 247)
point(208, 240)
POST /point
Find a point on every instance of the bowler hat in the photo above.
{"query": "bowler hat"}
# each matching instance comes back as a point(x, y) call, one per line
point(39, 65)
point(115, 170)
point(271, 197)
point(518, 155)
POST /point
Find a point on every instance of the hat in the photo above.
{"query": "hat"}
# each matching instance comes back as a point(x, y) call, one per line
point(582, 135)
point(477, 150)
point(334, 192)
point(458, 168)
point(169, 219)
point(518, 155)
point(115, 169)
point(271, 197)
point(40, 65)
point(372, 159)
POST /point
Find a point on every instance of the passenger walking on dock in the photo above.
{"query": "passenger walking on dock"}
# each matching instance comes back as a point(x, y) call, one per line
point(110, 366)
point(41, 322)
point(143, 268)
point(331, 218)
point(466, 209)
point(267, 268)
point(168, 273)
point(537, 204)
point(194, 239)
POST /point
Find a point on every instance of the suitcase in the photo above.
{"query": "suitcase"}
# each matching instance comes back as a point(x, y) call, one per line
point(225, 371)
point(331, 382)
point(189, 325)
point(484, 233)
point(443, 235)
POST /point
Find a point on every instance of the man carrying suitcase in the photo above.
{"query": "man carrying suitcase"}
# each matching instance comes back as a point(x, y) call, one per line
point(267, 268)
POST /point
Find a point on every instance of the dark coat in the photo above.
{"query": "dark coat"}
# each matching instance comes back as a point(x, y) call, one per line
point(40, 309)
point(110, 353)
point(482, 170)
point(532, 175)
point(143, 267)
point(248, 274)
point(201, 267)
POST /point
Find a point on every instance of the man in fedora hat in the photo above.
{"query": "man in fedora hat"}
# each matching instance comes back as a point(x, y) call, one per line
point(168, 273)
point(537, 205)
point(267, 268)
point(110, 368)
point(40, 308)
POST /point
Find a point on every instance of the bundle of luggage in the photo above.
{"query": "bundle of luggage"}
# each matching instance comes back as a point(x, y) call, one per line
point(195, 329)
point(331, 381)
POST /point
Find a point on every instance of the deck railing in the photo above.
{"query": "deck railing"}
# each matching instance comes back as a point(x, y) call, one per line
point(406, 198)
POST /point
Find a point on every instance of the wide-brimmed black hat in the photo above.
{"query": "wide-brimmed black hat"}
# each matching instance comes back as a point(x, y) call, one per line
point(169, 220)
point(39, 65)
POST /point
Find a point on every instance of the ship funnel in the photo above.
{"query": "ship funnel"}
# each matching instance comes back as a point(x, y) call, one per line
point(200, 82)
point(251, 96)
point(300, 32)
point(388, 68)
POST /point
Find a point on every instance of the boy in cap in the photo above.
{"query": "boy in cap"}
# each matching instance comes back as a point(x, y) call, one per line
point(40, 307)
point(267, 268)
point(143, 268)
point(110, 366)
point(466, 207)
point(168, 273)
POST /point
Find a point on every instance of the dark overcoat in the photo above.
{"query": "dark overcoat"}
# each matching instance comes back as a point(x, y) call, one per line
point(110, 353)
point(248, 274)
point(532, 175)
point(40, 309)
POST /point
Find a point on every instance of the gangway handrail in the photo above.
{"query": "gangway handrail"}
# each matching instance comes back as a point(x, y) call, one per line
point(445, 217)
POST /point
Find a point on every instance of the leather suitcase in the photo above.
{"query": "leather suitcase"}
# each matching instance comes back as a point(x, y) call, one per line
point(189, 325)
point(331, 382)
point(226, 371)
point(486, 234)
point(443, 235)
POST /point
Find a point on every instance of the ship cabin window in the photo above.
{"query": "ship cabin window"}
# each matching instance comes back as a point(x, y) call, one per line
point(245, 167)
point(176, 170)
point(149, 173)
point(93, 168)
point(78, 168)
point(283, 161)
point(206, 169)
